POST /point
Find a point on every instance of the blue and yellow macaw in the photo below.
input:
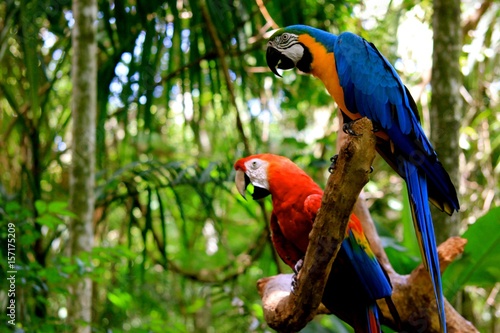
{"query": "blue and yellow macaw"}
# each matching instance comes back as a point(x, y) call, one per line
point(356, 278)
point(364, 84)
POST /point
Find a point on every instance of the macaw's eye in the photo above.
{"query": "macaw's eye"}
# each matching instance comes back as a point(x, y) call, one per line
point(284, 37)
point(255, 164)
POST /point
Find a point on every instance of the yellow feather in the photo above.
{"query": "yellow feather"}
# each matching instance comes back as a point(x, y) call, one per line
point(323, 67)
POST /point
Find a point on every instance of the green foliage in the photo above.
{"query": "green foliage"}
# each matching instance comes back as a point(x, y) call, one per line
point(49, 214)
point(402, 260)
point(479, 263)
point(409, 236)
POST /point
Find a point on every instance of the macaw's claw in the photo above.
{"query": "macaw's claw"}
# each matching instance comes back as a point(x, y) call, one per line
point(371, 169)
point(347, 128)
point(295, 281)
point(333, 159)
point(298, 266)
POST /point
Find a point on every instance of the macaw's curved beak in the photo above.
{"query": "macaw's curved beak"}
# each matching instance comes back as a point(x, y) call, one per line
point(276, 59)
point(242, 181)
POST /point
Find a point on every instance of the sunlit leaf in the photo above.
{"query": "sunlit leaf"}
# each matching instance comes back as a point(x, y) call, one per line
point(60, 208)
point(49, 221)
point(120, 299)
point(41, 207)
point(195, 306)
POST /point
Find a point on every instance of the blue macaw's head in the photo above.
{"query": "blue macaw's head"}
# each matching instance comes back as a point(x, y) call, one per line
point(285, 51)
point(287, 48)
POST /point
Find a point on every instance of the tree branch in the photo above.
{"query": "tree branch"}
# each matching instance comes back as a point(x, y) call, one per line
point(412, 295)
point(288, 312)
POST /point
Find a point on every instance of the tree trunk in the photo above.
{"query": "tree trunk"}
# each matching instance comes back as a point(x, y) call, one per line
point(446, 105)
point(84, 106)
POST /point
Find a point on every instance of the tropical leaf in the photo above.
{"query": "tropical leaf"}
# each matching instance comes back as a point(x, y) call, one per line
point(479, 263)
point(409, 237)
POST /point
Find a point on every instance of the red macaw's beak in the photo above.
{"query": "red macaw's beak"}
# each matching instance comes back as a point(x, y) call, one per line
point(242, 182)
point(276, 59)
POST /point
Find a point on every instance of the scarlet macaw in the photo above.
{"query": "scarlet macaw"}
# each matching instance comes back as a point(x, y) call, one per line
point(356, 279)
point(364, 84)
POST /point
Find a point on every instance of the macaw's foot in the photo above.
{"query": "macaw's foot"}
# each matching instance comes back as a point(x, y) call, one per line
point(376, 127)
point(347, 128)
point(333, 159)
point(296, 270)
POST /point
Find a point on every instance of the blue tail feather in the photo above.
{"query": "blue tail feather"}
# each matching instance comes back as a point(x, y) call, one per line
point(412, 150)
point(374, 281)
point(372, 319)
point(419, 202)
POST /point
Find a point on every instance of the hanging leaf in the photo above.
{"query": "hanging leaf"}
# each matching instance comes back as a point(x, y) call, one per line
point(41, 207)
point(120, 299)
point(409, 238)
point(60, 208)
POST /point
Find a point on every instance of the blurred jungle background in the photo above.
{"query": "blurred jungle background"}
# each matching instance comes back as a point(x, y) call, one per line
point(184, 91)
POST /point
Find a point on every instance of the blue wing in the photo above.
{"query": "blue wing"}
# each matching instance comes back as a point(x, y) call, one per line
point(373, 88)
point(373, 278)
point(374, 283)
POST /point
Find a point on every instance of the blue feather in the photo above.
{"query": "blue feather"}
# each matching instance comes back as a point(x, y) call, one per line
point(368, 269)
point(419, 202)
point(372, 319)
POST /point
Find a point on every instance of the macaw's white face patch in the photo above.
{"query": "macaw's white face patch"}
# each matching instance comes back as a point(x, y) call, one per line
point(257, 172)
point(294, 53)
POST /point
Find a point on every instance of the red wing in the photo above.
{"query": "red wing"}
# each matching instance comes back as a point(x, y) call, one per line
point(312, 205)
point(288, 252)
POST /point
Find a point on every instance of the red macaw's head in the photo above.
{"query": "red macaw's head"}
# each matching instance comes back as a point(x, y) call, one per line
point(272, 174)
point(253, 170)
